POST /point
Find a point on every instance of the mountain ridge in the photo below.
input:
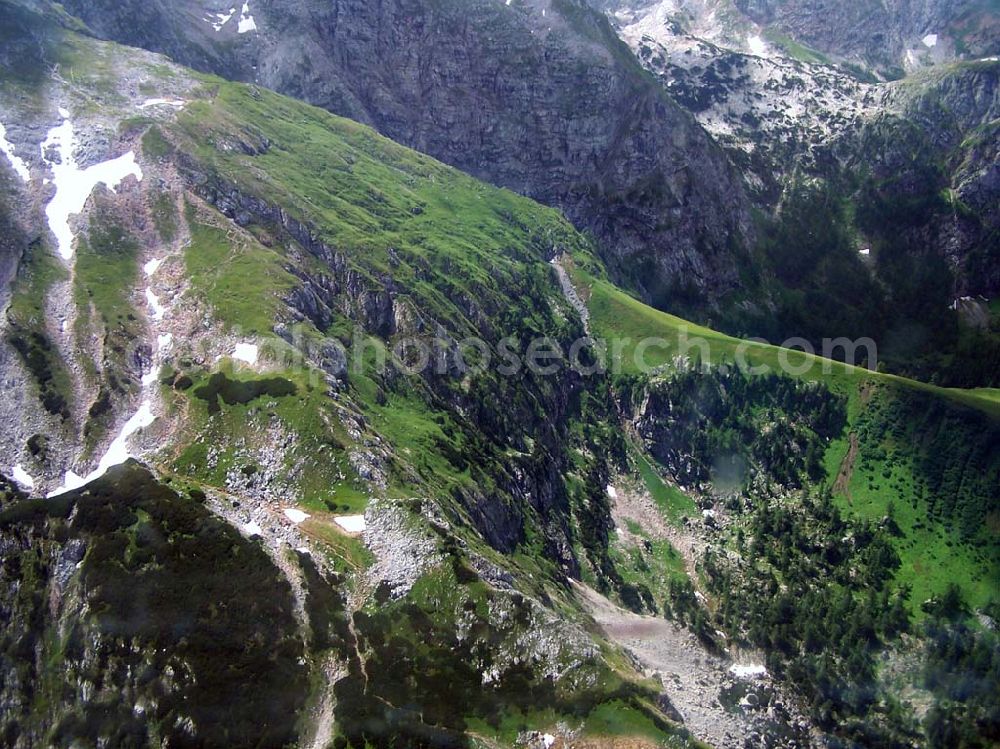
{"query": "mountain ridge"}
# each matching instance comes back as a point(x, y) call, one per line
point(433, 535)
point(686, 225)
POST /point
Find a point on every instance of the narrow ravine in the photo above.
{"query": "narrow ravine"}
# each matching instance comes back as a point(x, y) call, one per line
point(73, 187)
point(569, 290)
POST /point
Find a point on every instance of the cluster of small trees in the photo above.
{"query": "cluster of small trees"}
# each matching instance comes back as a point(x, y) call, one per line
point(816, 592)
point(962, 669)
point(953, 453)
point(776, 426)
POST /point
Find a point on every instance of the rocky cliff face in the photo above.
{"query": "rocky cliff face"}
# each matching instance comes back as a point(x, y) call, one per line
point(947, 116)
point(889, 38)
point(539, 97)
point(907, 168)
point(894, 34)
point(779, 117)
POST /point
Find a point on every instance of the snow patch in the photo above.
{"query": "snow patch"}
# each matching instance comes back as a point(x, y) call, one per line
point(612, 492)
point(253, 529)
point(296, 516)
point(246, 20)
point(221, 19)
point(155, 307)
point(246, 352)
point(117, 453)
point(7, 148)
point(152, 266)
point(351, 523)
point(71, 481)
point(74, 185)
point(22, 477)
point(163, 341)
point(930, 40)
point(747, 672)
point(757, 45)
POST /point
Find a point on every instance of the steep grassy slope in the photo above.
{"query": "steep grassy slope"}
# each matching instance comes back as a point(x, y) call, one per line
point(262, 224)
point(623, 162)
point(363, 244)
point(384, 207)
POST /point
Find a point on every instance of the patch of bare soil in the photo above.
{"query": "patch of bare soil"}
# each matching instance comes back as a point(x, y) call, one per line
point(633, 503)
point(606, 742)
point(843, 483)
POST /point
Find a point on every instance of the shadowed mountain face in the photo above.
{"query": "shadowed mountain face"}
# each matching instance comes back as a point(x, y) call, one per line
point(152, 620)
point(867, 135)
point(890, 38)
point(539, 96)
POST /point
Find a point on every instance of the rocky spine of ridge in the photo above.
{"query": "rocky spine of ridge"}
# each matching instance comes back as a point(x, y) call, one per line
point(538, 96)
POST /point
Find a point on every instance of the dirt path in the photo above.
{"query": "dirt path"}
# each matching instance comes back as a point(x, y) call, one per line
point(843, 483)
